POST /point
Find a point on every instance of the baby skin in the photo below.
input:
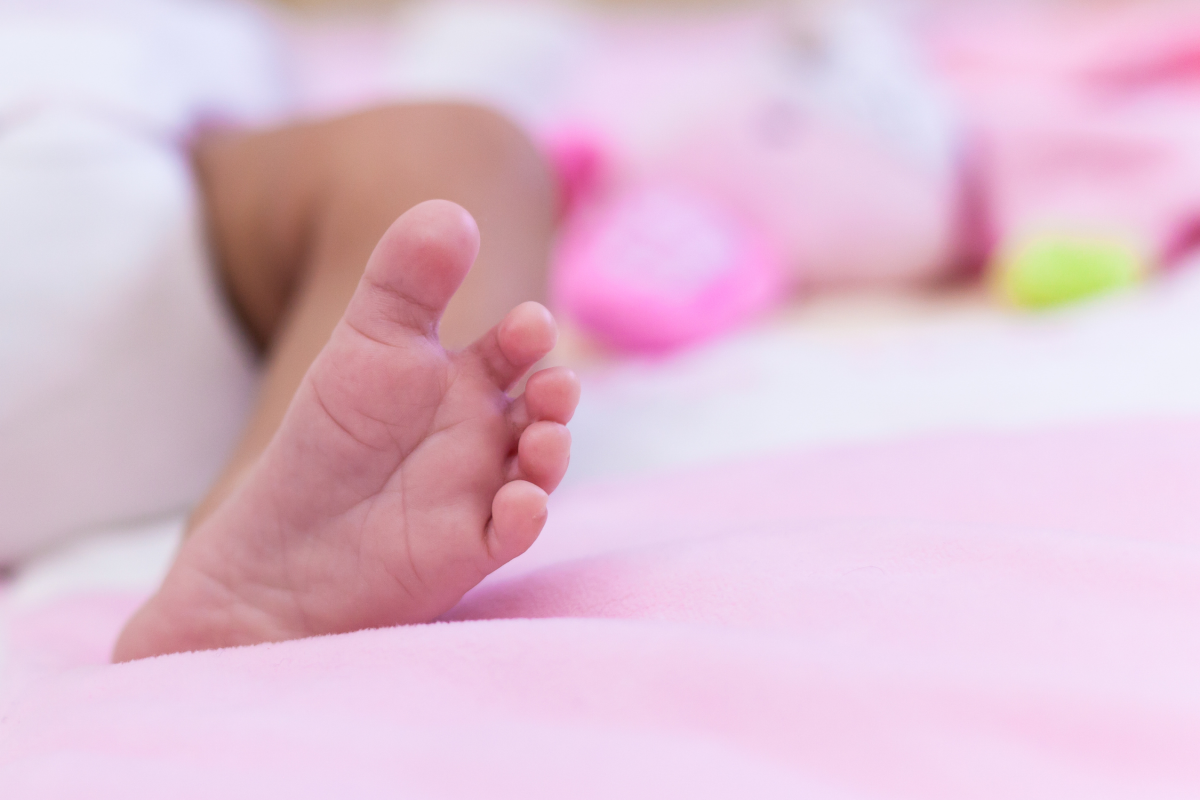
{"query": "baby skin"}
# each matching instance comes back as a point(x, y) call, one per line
point(400, 474)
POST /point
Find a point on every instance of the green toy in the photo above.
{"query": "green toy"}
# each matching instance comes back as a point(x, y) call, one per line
point(1051, 270)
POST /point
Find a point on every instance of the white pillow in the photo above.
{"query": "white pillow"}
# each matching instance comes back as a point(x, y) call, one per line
point(123, 377)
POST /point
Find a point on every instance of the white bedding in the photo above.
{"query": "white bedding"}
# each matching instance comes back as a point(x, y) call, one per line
point(123, 378)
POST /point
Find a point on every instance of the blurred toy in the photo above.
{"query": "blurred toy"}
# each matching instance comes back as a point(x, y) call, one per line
point(736, 160)
point(711, 164)
point(656, 268)
point(1051, 271)
point(1088, 120)
point(810, 140)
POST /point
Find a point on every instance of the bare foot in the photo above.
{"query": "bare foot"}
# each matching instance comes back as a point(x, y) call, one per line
point(401, 475)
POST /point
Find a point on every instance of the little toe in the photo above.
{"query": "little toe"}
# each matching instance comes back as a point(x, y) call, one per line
point(521, 339)
point(416, 268)
point(518, 515)
point(543, 453)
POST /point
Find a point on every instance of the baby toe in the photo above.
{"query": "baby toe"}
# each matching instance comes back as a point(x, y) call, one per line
point(521, 339)
point(416, 267)
point(527, 334)
point(518, 515)
point(543, 452)
point(552, 394)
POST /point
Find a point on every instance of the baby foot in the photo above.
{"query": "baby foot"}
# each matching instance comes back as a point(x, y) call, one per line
point(401, 475)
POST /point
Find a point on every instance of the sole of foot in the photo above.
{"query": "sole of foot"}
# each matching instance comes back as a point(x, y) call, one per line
point(401, 475)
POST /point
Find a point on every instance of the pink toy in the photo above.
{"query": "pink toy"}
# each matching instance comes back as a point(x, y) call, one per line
point(711, 167)
point(658, 267)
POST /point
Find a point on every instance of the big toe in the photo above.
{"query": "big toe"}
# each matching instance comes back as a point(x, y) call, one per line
point(416, 268)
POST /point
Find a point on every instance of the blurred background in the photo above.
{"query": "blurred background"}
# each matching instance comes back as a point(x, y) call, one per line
point(887, 320)
point(970, 149)
point(841, 219)
point(786, 203)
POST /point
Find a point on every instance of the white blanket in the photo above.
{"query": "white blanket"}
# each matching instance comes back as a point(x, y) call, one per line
point(123, 378)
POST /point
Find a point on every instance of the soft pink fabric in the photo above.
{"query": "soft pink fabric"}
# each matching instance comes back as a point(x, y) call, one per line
point(977, 616)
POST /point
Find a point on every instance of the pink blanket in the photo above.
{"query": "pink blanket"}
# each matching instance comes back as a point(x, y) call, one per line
point(973, 615)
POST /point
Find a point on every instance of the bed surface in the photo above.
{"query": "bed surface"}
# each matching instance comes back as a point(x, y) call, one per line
point(853, 553)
